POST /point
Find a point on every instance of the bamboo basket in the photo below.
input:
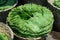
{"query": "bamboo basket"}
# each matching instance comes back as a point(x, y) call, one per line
point(4, 13)
point(6, 30)
point(56, 12)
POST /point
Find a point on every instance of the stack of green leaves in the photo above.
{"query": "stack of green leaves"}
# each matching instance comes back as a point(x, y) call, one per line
point(3, 36)
point(30, 20)
point(5, 4)
point(57, 3)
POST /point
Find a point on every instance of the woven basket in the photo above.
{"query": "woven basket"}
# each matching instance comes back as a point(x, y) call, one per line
point(10, 7)
point(4, 13)
point(6, 30)
point(56, 13)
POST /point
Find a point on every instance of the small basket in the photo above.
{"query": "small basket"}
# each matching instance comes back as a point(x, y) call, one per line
point(51, 2)
point(56, 12)
point(6, 30)
point(10, 7)
point(4, 13)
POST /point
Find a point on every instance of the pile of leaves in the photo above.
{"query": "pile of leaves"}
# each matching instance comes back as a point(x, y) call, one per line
point(5, 4)
point(3, 36)
point(30, 20)
point(57, 3)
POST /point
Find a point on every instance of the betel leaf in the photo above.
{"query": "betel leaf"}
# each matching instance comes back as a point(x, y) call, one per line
point(57, 3)
point(30, 20)
point(5, 4)
point(2, 2)
point(3, 36)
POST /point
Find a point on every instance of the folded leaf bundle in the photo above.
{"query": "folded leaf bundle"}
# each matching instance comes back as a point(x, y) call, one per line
point(56, 3)
point(6, 4)
point(30, 20)
point(3, 36)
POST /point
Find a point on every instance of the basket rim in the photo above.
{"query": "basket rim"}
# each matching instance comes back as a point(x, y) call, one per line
point(10, 7)
point(11, 32)
point(51, 3)
point(30, 38)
